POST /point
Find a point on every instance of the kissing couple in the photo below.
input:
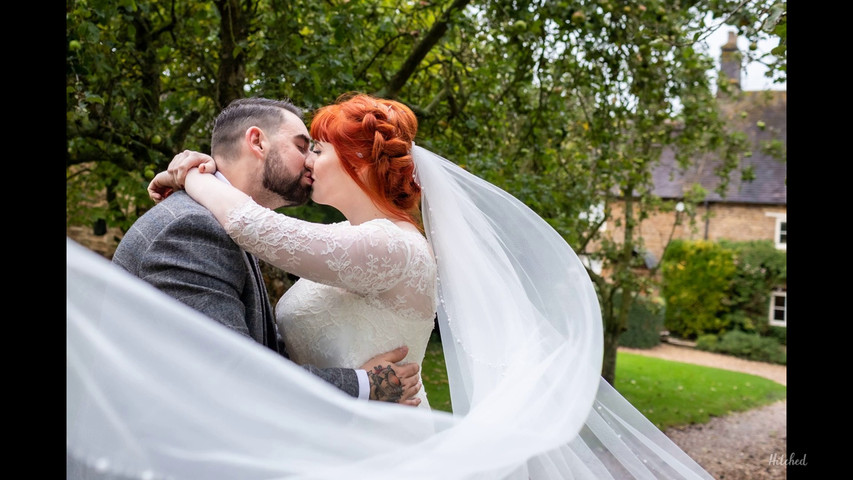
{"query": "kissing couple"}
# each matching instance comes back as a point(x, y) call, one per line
point(157, 390)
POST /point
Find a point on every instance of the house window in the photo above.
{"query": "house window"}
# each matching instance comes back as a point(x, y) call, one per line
point(779, 308)
point(781, 234)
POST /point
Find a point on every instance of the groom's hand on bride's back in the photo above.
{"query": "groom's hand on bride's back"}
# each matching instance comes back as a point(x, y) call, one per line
point(391, 381)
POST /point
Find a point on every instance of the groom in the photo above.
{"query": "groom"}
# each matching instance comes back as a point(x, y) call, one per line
point(180, 248)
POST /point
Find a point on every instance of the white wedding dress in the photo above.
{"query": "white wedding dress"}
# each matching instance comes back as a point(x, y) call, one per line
point(363, 289)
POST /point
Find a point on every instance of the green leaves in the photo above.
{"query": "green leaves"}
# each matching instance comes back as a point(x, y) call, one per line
point(563, 104)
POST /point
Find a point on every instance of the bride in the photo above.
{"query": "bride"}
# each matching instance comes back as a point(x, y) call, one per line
point(519, 319)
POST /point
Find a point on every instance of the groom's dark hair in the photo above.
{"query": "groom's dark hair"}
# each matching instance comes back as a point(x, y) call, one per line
point(240, 114)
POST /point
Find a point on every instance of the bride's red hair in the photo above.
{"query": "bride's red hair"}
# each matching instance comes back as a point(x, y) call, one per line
point(373, 139)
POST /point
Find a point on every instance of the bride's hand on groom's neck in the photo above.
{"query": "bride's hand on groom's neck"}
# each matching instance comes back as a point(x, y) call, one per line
point(391, 381)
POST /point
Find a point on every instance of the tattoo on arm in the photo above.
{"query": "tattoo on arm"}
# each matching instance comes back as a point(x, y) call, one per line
point(384, 384)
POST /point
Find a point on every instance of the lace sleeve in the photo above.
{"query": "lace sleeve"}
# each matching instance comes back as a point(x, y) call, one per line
point(369, 258)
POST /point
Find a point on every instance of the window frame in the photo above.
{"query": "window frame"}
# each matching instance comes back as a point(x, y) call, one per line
point(778, 231)
point(773, 308)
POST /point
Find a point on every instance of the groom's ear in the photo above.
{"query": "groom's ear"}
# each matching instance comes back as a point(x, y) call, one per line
point(256, 142)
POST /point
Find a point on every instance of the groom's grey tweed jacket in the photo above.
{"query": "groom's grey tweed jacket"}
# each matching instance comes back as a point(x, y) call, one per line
point(180, 248)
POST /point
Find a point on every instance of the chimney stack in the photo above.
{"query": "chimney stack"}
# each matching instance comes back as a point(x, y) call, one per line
point(730, 61)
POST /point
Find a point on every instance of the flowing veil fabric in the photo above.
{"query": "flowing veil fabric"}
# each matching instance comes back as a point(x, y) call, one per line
point(525, 335)
point(155, 390)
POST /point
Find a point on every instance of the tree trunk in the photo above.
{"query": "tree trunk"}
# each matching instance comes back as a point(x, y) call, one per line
point(612, 330)
point(233, 30)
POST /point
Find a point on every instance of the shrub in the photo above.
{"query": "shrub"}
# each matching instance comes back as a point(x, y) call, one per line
point(645, 322)
point(696, 281)
point(760, 268)
point(707, 342)
point(712, 288)
point(779, 333)
point(749, 346)
point(741, 320)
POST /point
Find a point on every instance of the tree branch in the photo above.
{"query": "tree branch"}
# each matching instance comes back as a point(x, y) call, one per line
point(381, 49)
point(392, 89)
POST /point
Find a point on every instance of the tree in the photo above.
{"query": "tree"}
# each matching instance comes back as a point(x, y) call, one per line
point(566, 104)
point(569, 105)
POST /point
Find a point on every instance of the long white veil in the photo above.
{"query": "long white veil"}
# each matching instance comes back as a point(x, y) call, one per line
point(155, 390)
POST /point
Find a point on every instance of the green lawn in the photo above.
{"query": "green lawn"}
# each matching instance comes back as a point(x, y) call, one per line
point(667, 393)
point(434, 376)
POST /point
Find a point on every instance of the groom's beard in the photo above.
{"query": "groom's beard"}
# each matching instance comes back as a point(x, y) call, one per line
point(278, 180)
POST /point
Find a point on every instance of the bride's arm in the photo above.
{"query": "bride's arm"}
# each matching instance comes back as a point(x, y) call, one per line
point(165, 183)
point(192, 171)
point(214, 194)
point(366, 258)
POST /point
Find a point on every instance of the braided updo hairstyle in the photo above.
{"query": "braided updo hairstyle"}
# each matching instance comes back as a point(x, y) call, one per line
point(374, 136)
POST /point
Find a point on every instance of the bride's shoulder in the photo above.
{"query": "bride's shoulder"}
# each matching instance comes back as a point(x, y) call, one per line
point(405, 227)
point(398, 228)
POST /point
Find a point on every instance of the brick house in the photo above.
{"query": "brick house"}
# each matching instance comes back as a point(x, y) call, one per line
point(754, 210)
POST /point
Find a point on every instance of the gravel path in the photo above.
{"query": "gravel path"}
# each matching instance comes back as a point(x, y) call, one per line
point(740, 446)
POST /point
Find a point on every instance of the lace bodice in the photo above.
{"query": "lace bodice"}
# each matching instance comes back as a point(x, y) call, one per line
point(363, 289)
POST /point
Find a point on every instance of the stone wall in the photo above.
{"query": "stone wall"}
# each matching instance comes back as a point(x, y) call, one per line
point(734, 222)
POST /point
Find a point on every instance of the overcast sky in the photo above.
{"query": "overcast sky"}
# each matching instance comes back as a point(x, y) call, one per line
point(753, 78)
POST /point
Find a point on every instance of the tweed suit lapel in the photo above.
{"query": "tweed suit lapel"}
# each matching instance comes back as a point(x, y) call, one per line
point(269, 333)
